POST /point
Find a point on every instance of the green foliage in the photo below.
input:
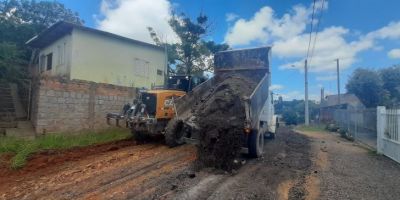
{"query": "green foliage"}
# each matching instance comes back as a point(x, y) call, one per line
point(11, 62)
point(366, 85)
point(20, 20)
point(23, 148)
point(293, 111)
point(192, 55)
point(375, 88)
point(391, 84)
point(41, 14)
point(332, 127)
point(312, 128)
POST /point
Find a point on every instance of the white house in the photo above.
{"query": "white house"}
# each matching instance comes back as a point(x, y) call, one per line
point(78, 52)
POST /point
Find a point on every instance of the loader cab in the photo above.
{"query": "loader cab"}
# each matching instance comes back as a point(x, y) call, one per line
point(184, 83)
point(159, 103)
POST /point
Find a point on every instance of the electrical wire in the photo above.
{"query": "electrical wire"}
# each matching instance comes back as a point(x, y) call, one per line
point(311, 30)
point(317, 29)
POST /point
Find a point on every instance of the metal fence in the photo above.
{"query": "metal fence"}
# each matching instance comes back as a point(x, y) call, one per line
point(361, 125)
point(388, 132)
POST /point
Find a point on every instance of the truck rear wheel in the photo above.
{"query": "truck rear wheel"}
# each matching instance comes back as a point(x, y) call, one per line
point(256, 144)
point(174, 133)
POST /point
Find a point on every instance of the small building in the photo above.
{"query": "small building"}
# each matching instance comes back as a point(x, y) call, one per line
point(331, 103)
point(77, 52)
point(346, 101)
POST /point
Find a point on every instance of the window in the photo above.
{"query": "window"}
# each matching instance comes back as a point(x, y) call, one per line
point(49, 61)
point(159, 72)
point(141, 68)
point(42, 63)
point(60, 52)
point(63, 51)
point(59, 55)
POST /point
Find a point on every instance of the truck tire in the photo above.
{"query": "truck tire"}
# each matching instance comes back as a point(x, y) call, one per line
point(256, 144)
point(174, 133)
point(269, 135)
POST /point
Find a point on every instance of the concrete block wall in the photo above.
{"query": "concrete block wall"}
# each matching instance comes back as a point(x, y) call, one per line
point(75, 105)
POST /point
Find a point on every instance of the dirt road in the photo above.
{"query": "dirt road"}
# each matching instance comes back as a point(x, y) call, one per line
point(347, 170)
point(295, 166)
point(124, 170)
point(119, 170)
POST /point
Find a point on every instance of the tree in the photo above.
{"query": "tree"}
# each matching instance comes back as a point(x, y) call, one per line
point(192, 55)
point(391, 84)
point(367, 86)
point(20, 20)
point(10, 62)
point(293, 111)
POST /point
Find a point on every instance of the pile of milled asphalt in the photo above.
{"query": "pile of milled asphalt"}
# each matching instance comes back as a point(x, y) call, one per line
point(220, 117)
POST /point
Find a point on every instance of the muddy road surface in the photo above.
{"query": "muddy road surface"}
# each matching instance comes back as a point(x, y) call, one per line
point(118, 170)
point(124, 170)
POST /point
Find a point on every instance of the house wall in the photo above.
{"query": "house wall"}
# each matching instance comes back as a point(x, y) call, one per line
point(61, 59)
point(68, 106)
point(103, 59)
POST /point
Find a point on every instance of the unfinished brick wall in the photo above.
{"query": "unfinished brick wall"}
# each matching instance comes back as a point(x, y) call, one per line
point(74, 105)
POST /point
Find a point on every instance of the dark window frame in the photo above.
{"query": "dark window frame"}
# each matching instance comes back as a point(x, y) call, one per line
point(49, 61)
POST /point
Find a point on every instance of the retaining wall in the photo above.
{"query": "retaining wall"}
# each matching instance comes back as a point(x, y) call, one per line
point(73, 105)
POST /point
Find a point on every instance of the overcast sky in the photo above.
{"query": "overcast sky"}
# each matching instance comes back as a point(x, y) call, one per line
point(361, 33)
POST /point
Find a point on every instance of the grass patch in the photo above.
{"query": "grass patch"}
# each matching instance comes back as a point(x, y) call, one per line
point(372, 152)
point(311, 128)
point(23, 148)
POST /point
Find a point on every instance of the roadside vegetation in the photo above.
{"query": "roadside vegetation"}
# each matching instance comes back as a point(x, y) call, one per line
point(376, 87)
point(311, 128)
point(292, 112)
point(23, 148)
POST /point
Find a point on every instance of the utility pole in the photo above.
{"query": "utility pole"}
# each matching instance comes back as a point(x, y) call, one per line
point(306, 116)
point(338, 80)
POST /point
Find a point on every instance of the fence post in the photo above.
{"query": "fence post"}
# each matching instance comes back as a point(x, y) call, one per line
point(380, 127)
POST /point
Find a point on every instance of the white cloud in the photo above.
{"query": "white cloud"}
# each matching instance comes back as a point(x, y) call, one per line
point(326, 78)
point(230, 17)
point(276, 87)
point(289, 37)
point(130, 18)
point(394, 54)
point(298, 95)
point(264, 26)
point(391, 31)
point(331, 45)
point(288, 96)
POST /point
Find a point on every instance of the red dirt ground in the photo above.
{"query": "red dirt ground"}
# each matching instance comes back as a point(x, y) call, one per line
point(113, 170)
point(125, 170)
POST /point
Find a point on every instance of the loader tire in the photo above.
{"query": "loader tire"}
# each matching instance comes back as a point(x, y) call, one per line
point(256, 144)
point(174, 133)
point(139, 136)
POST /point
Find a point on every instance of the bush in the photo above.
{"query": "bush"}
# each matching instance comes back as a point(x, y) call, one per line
point(342, 132)
point(331, 128)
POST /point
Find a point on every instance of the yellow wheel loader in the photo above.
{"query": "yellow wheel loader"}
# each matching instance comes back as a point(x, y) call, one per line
point(149, 114)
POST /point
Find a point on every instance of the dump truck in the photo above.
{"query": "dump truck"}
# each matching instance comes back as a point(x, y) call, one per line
point(254, 64)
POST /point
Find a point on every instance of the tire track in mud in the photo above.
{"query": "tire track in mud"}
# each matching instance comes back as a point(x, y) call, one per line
point(74, 173)
point(154, 171)
point(101, 173)
point(280, 174)
point(125, 183)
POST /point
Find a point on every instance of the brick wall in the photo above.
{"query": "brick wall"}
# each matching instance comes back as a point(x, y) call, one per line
point(73, 105)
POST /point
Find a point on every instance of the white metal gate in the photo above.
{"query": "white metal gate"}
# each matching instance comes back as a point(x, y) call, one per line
point(388, 128)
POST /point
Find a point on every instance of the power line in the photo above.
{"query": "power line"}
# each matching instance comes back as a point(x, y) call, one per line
point(311, 30)
point(317, 29)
